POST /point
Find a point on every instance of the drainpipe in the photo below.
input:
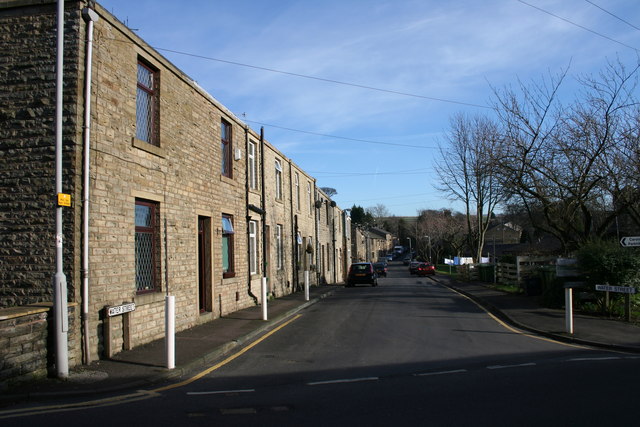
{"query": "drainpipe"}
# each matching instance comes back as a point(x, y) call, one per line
point(296, 253)
point(263, 205)
point(333, 237)
point(90, 17)
point(294, 230)
point(248, 206)
point(317, 206)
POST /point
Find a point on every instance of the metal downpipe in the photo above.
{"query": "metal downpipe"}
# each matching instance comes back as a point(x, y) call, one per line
point(90, 17)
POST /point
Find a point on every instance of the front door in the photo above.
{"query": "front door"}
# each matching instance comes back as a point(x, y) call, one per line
point(204, 264)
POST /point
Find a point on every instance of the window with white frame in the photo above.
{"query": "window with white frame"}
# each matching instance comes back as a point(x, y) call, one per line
point(227, 246)
point(278, 166)
point(310, 252)
point(310, 198)
point(279, 247)
point(296, 178)
point(253, 181)
point(253, 247)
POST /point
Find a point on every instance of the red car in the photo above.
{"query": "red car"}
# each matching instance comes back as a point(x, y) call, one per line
point(426, 268)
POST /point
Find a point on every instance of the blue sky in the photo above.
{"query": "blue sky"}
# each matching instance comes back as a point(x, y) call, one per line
point(430, 58)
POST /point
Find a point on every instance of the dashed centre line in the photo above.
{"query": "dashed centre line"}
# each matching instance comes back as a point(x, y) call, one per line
point(418, 374)
point(428, 374)
point(200, 393)
point(593, 359)
point(344, 380)
point(521, 365)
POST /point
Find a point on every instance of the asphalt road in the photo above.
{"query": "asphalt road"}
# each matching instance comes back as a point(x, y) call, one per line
point(408, 352)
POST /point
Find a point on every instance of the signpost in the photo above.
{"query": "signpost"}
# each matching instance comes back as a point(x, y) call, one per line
point(626, 290)
point(125, 311)
point(630, 241)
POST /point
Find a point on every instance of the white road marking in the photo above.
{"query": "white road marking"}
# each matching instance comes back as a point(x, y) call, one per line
point(511, 366)
point(427, 374)
point(591, 359)
point(344, 380)
point(198, 393)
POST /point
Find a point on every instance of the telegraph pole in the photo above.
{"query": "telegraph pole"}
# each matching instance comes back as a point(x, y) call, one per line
point(61, 317)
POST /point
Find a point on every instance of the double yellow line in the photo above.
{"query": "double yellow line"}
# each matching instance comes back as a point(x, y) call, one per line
point(508, 327)
point(141, 394)
point(225, 361)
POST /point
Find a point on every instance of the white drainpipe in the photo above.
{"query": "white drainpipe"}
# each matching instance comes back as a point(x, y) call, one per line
point(90, 17)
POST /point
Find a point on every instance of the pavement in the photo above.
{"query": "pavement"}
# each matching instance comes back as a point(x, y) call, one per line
point(201, 346)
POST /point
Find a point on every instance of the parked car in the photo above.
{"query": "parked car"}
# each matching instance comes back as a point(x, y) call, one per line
point(380, 269)
point(362, 273)
point(413, 266)
point(389, 257)
point(425, 268)
point(406, 260)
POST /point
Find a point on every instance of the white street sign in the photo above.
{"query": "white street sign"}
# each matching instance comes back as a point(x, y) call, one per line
point(630, 241)
point(121, 309)
point(618, 289)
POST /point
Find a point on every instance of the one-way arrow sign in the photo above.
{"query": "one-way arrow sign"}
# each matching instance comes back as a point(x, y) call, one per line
point(630, 241)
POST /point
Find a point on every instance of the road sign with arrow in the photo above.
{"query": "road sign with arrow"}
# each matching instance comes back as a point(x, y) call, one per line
point(630, 241)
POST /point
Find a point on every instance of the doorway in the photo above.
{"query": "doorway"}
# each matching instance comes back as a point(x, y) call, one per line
point(204, 264)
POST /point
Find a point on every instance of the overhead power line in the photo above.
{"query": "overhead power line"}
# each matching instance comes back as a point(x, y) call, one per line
point(615, 16)
point(356, 174)
point(322, 79)
point(386, 197)
point(578, 25)
point(337, 136)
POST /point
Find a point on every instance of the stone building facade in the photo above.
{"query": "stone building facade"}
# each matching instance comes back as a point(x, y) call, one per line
point(185, 199)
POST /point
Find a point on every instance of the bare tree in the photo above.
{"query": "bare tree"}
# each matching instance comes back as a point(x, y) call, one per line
point(329, 191)
point(565, 164)
point(378, 212)
point(439, 233)
point(466, 173)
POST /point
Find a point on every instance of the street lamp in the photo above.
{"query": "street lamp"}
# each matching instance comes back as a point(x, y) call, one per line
point(410, 253)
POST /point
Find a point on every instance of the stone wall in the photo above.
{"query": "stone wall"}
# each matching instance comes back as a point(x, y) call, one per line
point(27, 144)
point(26, 342)
point(304, 224)
point(181, 175)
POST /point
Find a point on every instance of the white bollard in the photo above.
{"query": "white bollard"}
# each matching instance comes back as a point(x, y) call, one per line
point(306, 285)
point(264, 298)
point(568, 304)
point(170, 330)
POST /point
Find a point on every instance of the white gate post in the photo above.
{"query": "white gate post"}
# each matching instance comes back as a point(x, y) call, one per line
point(170, 330)
point(264, 298)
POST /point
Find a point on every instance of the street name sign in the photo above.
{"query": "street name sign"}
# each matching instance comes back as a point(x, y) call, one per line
point(618, 289)
point(121, 309)
point(630, 241)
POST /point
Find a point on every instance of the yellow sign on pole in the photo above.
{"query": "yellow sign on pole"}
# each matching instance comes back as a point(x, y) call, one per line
point(64, 199)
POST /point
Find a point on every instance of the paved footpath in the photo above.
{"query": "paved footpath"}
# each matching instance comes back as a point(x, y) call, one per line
point(526, 313)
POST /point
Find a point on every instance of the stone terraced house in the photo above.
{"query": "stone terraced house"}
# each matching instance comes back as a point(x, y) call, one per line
point(183, 197)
